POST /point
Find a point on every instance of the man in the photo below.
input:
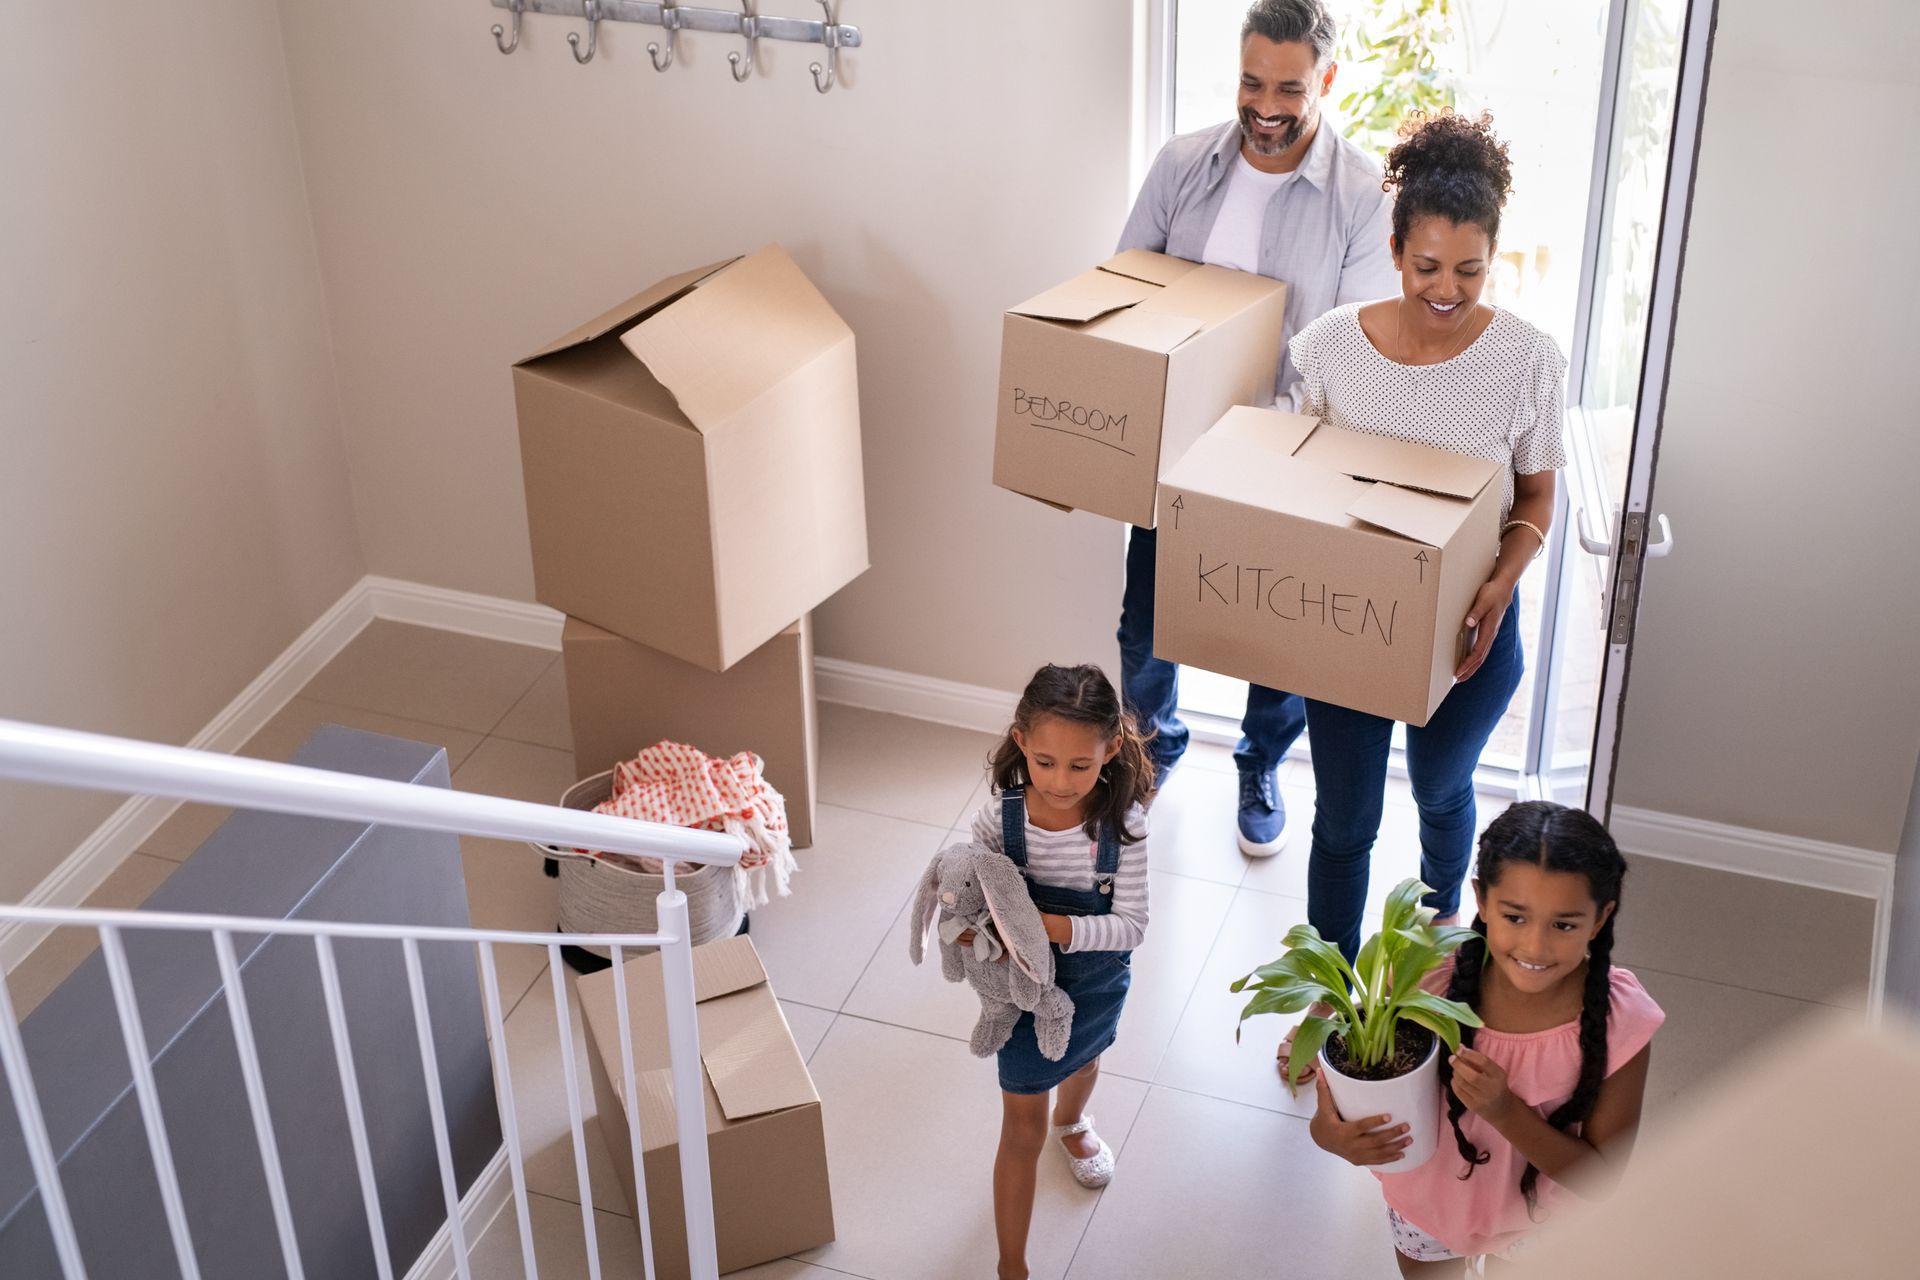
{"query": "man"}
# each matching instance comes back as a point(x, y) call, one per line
point(1278, 193)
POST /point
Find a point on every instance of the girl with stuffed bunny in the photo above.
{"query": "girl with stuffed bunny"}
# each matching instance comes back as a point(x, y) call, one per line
point(1071, 781)
point(1549, 1089)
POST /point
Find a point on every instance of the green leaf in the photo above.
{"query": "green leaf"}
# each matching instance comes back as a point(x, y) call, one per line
point(1307, 1042)
point(1440, 1006)
point(1280, 1000)
point(1403, 904)
point(1446, 1028)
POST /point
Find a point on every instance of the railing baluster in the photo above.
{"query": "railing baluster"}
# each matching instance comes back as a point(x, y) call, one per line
point(350, 1095)
point(149, 1094)
point(564, 1024)
point(509, 1119)
point(633, 1111)
point(249, 1050)
point(436, 1106)
point(689, 1084)
point(33, 1126)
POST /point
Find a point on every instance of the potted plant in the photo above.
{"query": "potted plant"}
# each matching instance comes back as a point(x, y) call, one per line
point(1376, 1033)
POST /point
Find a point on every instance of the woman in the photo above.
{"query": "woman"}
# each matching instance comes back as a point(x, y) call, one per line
point(1437, 366)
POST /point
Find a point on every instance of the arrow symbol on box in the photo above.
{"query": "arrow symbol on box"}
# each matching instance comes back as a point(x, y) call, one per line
point(1179, 505)
point(1422, 559)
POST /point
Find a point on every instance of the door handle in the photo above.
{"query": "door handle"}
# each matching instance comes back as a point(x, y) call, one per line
point(1589, 543)
point(1665, 543)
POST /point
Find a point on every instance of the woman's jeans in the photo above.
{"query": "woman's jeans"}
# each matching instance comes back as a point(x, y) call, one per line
point(1350, 751)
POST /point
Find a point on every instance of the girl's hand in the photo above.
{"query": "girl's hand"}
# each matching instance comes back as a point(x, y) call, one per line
point(1489, 610)
point(1481, 1084)
point(1371, 1141)
point(1283, 1058)
point(1059, 928)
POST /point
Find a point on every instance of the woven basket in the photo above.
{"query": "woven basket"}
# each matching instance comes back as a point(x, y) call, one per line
point(597, 897)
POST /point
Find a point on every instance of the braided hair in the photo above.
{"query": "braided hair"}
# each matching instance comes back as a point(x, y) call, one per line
point(1449, 166)
point(1082, 695)
point(1554, 838)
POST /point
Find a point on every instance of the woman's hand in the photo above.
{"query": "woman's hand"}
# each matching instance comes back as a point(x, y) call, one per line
point(1488, 611)
point(1059, 928)
point(1481, 1084)
point(1371, 1141)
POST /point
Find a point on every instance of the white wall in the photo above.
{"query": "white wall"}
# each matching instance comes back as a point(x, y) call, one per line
point(173, 495)
point(470, 207)
point(1774, 683)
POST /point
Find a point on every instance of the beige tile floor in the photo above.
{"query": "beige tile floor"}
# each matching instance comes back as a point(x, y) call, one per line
point(1217, 1176)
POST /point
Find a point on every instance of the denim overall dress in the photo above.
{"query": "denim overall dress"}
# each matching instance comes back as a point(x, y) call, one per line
point(1096, 981)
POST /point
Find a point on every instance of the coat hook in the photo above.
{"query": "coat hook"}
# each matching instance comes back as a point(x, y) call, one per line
point(516, 7)
point(829, 37)
point(670, 19)
point(593, 34)
point(750, 28)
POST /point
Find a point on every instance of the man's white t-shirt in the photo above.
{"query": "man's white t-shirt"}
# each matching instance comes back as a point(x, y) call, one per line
point(1235, 239)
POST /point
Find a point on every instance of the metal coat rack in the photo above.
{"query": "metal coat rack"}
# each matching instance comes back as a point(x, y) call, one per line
point(675, 18)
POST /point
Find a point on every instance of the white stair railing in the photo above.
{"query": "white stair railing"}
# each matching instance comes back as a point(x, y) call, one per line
point(68, 758)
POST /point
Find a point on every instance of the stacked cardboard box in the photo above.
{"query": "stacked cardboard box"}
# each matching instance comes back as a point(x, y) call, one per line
point(694, 490)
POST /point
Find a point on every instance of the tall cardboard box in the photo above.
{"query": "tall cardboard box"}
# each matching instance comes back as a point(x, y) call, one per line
point(1111, 376)
point(1325, 562)
point(623, 696)
point(766, 1139)
point(692, 461)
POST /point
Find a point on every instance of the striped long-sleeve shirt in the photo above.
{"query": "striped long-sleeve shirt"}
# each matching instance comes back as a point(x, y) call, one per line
point(1065, 860)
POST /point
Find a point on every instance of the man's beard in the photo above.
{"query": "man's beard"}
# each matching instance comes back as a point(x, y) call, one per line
point(1273, 145)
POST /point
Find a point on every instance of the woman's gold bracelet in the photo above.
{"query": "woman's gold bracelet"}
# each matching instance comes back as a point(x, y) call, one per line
point(1511, 525)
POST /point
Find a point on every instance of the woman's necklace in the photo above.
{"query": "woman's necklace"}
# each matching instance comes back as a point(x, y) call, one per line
point(1415, 383)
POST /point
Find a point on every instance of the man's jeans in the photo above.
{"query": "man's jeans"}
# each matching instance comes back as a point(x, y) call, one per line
point(1350, 751)
point(1151, 685)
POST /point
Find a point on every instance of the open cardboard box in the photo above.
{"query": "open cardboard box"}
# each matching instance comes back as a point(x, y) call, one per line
point(1328, 563)
point(1105, 377)
point(766, 1141)
point(692, 461)
point(623, 697)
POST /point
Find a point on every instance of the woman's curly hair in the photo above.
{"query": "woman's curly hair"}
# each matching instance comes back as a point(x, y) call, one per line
point(1451, 166)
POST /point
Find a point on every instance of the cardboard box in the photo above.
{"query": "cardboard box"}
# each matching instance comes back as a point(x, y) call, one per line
point(1110, 376)
point(1324, 562)
point(766, 1141)
point(692, 461)
point(623, 696)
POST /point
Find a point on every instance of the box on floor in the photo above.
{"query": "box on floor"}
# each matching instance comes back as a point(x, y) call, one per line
point(623, 696)
point(766, 1138)
point(1109, 377)
point(692, 461)
point(1328, 563)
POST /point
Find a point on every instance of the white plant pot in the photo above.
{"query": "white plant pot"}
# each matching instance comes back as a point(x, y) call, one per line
point(1412, 1099)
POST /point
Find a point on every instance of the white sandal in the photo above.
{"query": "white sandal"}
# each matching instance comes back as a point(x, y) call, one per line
point(1094, 1171)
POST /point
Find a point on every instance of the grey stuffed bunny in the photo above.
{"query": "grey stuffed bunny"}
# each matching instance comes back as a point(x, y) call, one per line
point(972, 886)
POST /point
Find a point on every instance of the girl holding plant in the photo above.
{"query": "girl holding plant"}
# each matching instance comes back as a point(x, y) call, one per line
point(1546, 1094)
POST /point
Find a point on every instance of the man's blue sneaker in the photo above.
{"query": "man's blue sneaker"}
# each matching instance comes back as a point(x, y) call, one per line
point(1263, 814)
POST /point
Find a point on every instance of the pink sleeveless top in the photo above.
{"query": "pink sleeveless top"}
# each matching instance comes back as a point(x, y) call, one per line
point(1486, 1213)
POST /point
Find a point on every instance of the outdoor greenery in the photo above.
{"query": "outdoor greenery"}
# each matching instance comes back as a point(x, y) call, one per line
point(1396, 40)
point(1368, 999)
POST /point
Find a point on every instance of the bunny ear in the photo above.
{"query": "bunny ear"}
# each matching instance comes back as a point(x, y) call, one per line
point(1014, 915)
point(926, 905)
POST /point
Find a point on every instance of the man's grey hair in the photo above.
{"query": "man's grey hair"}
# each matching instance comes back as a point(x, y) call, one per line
point(1289, 21)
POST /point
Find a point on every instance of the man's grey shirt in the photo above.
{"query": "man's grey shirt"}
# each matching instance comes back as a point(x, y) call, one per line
point(1325, 233)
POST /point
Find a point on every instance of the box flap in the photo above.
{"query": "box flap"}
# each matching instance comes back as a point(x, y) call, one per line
point(751, 1058)
point(1401, 462)
point(640, 304)
point(1271, 430)
point(724, 966)
point(1144, 264)
point(1087, 296)
point(1149, 330)
point(743, 329)
point(1424, 517)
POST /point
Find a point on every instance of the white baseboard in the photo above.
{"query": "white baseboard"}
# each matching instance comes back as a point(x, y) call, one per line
point(489, 617)
point(485, 1199)
point(1795, 860)
point(901, 693)
point(85, 869)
